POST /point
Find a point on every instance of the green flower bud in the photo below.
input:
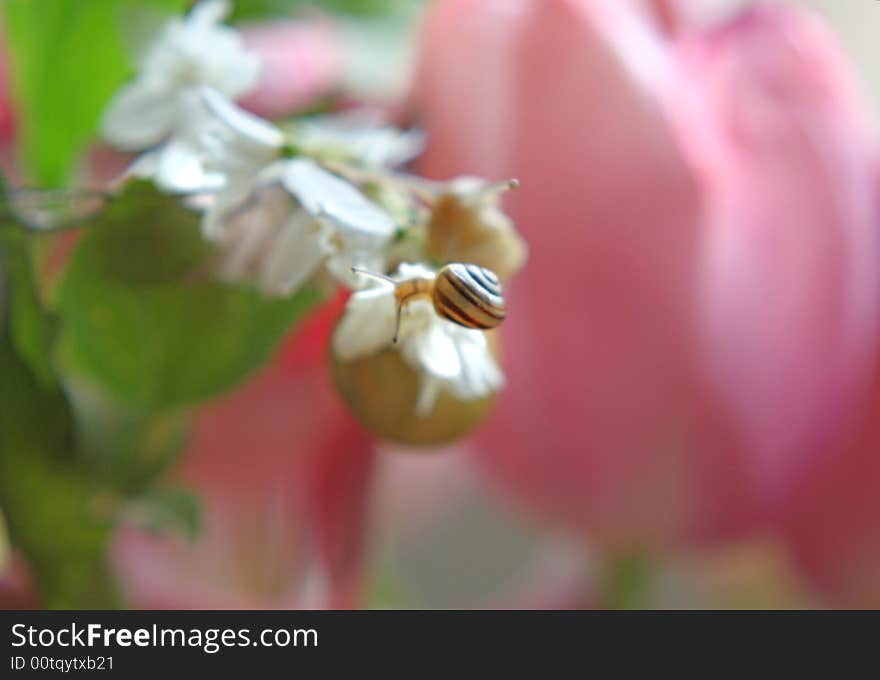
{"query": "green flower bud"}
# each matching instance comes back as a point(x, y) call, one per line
point(382, 391)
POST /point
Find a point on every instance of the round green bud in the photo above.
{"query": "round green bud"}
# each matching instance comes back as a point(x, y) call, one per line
point(382, 391)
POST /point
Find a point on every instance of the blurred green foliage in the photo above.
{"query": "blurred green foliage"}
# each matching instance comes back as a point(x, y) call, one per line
point(128, 447)
point(67, 59)
point(628, 580)
point(141, 314)
point(49, 500)
point(32, 328)
point(256, 9)
point(99, 375)
point(168, 508)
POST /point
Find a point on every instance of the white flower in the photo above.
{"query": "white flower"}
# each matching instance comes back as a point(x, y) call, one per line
point(189, 52)
point(216, 145)
point(271, 243)
point(360, 137)
point(296, 218)
point(446, 355)
point(276, 220)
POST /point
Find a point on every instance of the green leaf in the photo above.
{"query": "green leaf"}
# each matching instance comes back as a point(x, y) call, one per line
point(125, 447)
point(50, 504)
point(141, 316)
point(67, 60)
point(33, 326)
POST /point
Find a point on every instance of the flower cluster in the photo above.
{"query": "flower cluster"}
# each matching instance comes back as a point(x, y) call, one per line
point(315, 200)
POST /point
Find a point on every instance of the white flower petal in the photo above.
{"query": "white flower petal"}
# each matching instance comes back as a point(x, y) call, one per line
point(367, 325)
point(480, 375)
point(185, 54)
point(429, 392)
point(432, 351)
point(218, 213)
point(390, 147)
point(141, 114)
point(208, 13)
point(360, 137)
point(250, 132)
point(295, 256)
point(240, 74)
point(216, 146)
point(192, 55)
point(249, 235)
point(327, 196)
point(143, 167)
point(229, 140)
point(179, 168)
point(243, 245)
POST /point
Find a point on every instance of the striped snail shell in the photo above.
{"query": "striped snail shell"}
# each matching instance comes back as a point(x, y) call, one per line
point(469, 296)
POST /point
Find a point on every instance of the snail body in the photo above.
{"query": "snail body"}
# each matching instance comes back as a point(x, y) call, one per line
point(465, 294)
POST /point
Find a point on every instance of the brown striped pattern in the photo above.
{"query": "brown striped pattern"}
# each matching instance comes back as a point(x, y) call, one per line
point(469, 296)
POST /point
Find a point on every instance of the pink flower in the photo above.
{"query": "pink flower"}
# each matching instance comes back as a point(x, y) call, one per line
point(789, 278)
point(281, 471)
point(833, 525)
point(701, 296)
point(302, 61)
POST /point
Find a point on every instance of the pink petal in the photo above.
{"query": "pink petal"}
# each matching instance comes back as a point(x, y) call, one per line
point(789, 287)
point(832, 524)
